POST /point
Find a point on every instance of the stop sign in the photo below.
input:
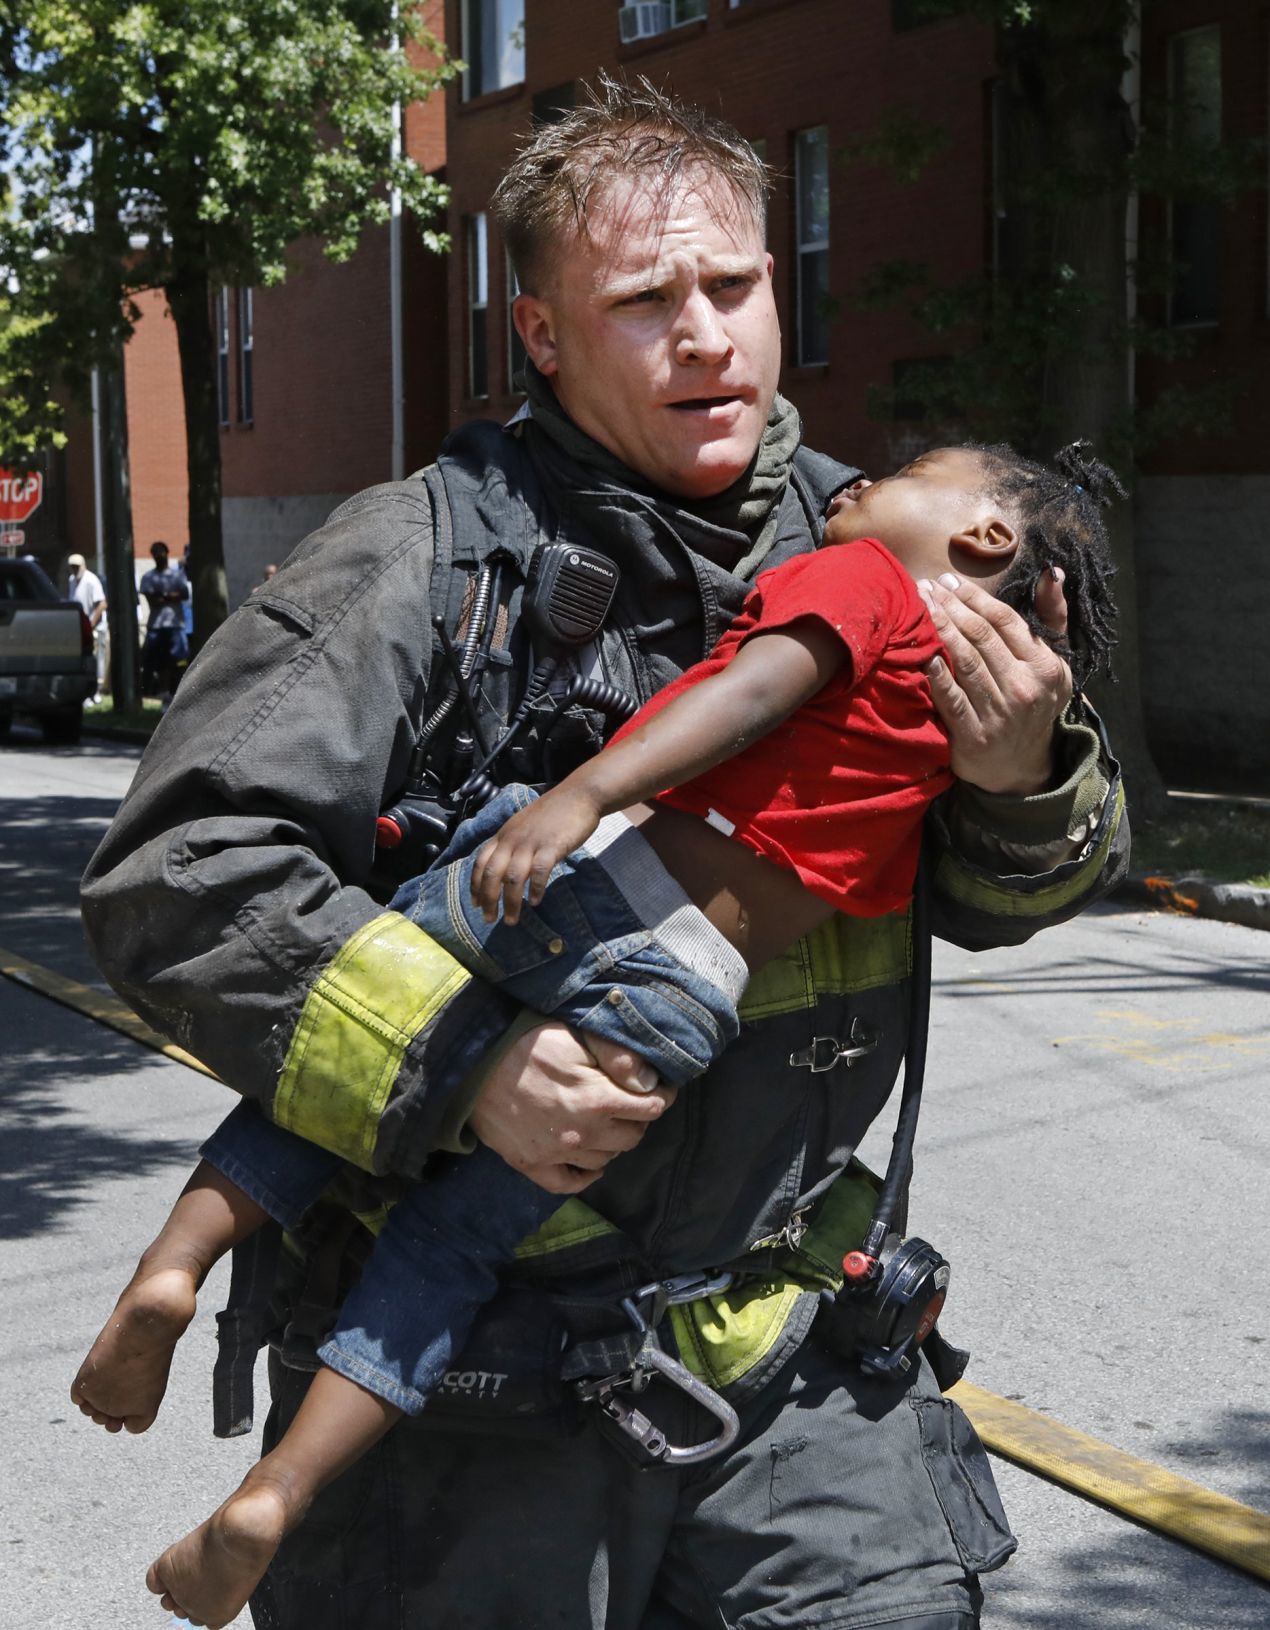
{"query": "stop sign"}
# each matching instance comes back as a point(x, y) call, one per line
point(20, 496)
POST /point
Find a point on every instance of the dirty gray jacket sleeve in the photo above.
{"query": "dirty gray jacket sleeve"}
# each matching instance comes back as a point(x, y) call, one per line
point(1005, 867)
point(227, 902)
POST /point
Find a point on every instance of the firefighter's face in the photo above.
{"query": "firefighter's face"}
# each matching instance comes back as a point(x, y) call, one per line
point(658, 329)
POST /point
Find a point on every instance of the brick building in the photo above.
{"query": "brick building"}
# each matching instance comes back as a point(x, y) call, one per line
point(801, 78)
point(307, 393)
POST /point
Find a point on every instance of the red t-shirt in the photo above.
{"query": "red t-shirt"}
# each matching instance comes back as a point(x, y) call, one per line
point(837, 793)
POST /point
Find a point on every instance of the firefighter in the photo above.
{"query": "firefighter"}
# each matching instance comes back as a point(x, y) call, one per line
point(235, 904)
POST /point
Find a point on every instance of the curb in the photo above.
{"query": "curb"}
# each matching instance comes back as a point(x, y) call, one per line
point(133, 738)
point(1196, 897)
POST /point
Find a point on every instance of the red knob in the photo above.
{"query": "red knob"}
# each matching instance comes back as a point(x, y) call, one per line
point(387, 833)
point(858, 1266)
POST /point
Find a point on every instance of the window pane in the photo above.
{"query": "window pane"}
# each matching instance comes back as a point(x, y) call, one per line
point(511, 63)
point(813, 313)
point(516, 357)
point(246, 346)
point(1195, 120)
point(478, 260)
point(1195, 85)
point(811, 209)
point(687, 11)
point(221, 309)
point(493, 44)
point(1197, 269)
point(477, 301)
point(811, 163)
point(479, 382)
point(550, 105)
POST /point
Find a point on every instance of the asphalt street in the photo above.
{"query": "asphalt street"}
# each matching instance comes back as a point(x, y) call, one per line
point(1092, 1159)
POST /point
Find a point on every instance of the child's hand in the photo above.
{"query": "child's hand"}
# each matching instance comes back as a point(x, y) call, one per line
point(525, 850)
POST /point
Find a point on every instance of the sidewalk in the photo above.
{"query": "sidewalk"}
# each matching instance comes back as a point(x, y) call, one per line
point(1188, 890)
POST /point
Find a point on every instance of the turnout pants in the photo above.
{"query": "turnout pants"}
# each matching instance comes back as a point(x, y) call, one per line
point(847, 1502)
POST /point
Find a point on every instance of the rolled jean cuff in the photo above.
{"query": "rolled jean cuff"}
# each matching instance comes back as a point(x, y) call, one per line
point(284, 1174)
point(434, 1264)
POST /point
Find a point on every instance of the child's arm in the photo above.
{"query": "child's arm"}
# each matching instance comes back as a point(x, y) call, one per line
point(768, 679)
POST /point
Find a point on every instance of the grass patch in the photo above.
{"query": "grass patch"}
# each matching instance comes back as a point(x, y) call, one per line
point(1222, 842)
point(103, 716)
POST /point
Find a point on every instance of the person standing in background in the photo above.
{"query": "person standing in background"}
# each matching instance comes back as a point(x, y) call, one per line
point(165, 589)
point(84, 587)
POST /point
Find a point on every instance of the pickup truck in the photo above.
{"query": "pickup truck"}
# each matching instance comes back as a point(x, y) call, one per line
point(47, 668)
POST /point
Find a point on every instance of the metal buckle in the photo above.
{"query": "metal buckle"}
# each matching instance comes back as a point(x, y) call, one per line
point(611, 1391)
point(827, 1051)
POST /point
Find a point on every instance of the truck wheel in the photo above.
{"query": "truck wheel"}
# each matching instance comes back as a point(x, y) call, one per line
point(62, 729)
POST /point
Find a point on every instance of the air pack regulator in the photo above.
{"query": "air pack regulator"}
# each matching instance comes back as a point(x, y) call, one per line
point(894, 1288)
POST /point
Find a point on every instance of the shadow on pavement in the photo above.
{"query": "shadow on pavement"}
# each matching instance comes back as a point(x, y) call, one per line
point(45, 844)
point(1126, 1581)
point(1140, 970)
point(51, 1160)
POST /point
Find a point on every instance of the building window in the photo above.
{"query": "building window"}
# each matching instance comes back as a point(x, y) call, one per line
point(648, 17)
point(1195, 223)
point(516, 353)
point(246, 347)
point(906, 14)
point(220, 322)
point(811, 222)
point(477, 305)
point(493, 45)
point(550, 106)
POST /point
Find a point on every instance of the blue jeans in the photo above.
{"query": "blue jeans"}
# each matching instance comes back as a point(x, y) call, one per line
point(584, 956)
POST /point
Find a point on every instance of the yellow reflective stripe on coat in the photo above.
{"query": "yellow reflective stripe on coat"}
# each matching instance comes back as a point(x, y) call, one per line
point(574, 1224)
point(368, 1004)
point(721, 1338)
point(971, 889)
point(844, 954)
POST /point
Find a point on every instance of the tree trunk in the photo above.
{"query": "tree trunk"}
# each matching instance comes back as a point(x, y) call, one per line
point(1068, 142)
point(189, 296)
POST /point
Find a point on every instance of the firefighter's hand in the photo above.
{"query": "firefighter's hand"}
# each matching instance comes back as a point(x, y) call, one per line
point(527, 847)
point(1006, 687)
point(553, 1107)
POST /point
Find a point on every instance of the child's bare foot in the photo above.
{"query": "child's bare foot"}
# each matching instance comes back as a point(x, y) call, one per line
point(208, 1576)
point(122, 1381)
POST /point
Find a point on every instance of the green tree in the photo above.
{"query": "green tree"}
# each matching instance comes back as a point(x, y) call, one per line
point(1041, 345)
point(184, 145)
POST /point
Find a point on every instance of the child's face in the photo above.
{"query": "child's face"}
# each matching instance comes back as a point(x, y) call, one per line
point(922, 513)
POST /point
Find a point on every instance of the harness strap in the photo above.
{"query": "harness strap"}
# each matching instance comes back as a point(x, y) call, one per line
point(242, 1327)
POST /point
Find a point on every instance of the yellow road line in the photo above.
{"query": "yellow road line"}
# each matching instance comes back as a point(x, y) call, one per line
point(1138, 1489)
point(95, 1004)
point(1223, 1528)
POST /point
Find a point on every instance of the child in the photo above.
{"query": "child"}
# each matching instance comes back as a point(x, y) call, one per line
point(800, 759)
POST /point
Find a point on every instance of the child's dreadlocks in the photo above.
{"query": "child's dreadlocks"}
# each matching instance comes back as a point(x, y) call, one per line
point(1061, 525)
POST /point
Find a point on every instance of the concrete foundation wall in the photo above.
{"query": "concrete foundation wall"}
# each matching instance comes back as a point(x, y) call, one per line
point(1204, 586)
point(261, 530)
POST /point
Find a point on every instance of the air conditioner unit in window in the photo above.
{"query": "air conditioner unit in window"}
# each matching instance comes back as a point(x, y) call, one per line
point(643, 19)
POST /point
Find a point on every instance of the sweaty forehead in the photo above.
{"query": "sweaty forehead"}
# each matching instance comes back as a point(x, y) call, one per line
point(636, 222)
